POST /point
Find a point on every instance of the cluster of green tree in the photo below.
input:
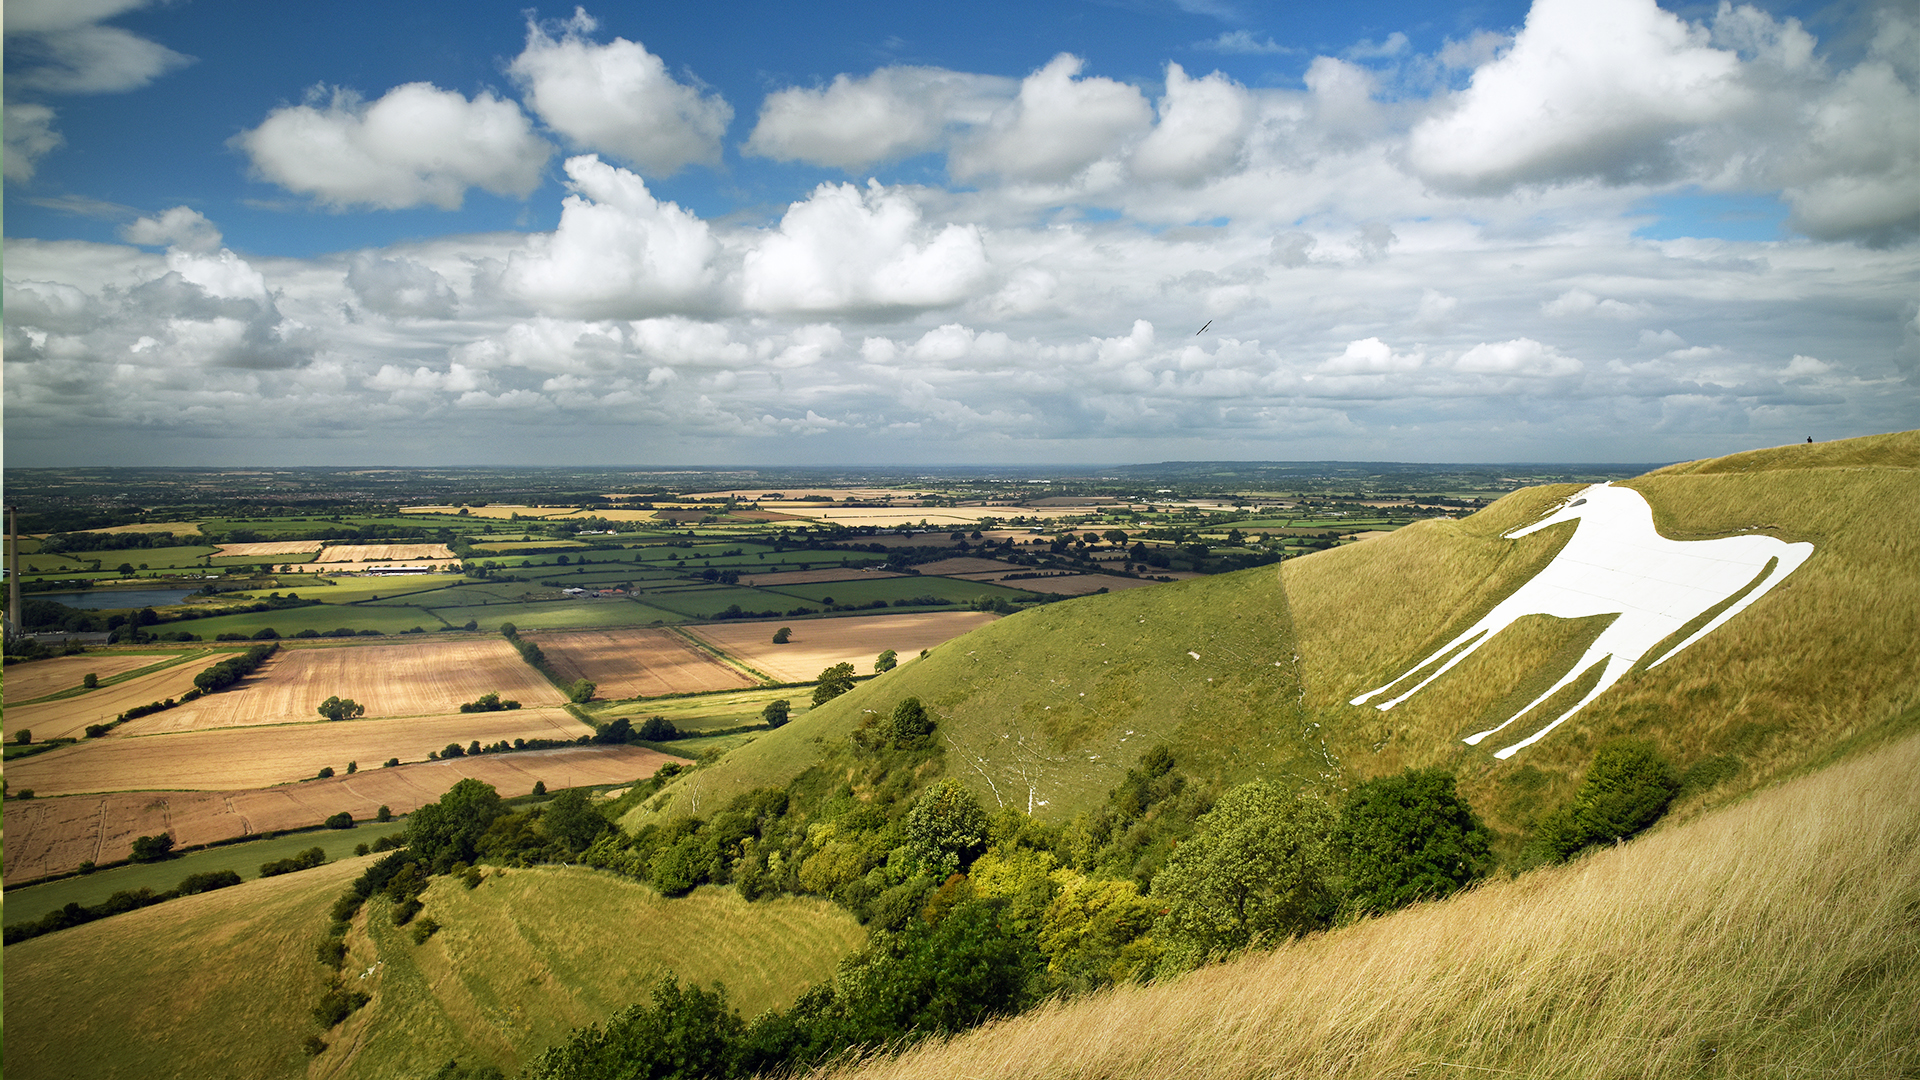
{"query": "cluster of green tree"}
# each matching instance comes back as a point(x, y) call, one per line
point(1627, 788)
point(306, 860)
point(489, 702)
point(75, 914)
point(579, 691)
point(62, 543)
point(232, 670)
point(339, 708)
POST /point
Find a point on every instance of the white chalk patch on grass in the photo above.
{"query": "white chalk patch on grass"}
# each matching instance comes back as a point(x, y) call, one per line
point(1617, 564)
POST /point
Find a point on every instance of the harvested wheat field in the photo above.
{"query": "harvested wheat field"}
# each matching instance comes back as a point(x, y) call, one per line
point(251, 757)
point(350, 553)
point(70, 716)
point(24, 682)
point(812, 577)
point(53, 836)
point(416, 679)
point(965, 564)
point(818, 644)
point(626, 663)
point(271, 547)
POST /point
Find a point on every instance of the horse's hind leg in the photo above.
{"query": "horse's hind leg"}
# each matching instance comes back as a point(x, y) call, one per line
point(1616, 667)
point(1478, 636)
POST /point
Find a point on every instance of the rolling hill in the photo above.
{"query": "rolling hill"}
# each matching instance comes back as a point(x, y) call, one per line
point(1250, 674)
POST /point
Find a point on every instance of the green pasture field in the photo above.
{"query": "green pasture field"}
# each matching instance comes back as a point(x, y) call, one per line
point(34, 901)
point(529, 954)
point(166, 558)
point(900, 588)
point(704, 602)
point(320, 617)
point(707, 712)
point(500, 545)
point(559, 615)
point(352, 590)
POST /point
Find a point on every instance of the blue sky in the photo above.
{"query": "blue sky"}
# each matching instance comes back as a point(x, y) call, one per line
point(736, 233)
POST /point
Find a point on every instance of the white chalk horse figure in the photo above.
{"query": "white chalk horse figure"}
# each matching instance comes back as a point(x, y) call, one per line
point(1616, 563)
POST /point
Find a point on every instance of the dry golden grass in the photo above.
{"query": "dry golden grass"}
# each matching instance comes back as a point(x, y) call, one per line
point(271, 547)
point(1779, 937)
point(360, 553)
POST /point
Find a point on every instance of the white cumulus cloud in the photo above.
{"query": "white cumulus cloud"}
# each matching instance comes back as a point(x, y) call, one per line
point(849, 248)
point(618, 252)
point(1056, 126)
point(618, 98)
point(854, 122)
point(418, 144)
point(30, 136)
point(182, 227)
point(1590, 89)
point(1521, 356)
point(1203, 123)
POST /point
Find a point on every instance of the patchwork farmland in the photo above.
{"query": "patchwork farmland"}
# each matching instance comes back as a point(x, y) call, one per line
point(238, 758)
point(70, 717)
point(54, 836)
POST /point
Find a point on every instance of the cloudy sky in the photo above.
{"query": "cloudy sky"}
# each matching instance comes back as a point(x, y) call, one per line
point(888, 233)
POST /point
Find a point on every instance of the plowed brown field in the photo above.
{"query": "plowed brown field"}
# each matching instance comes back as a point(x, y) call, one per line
point(70, 716)
point(234, 758)
point(386, 553)
point(24, 682)
point(415, 679)
point(820, 643)
point(638, 663)
point(53, 836)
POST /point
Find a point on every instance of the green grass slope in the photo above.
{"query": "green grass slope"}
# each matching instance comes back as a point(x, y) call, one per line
point(1048, 708)
point(530, 954)
point(221, 984)
point(1045, 710)
point(1778, 937)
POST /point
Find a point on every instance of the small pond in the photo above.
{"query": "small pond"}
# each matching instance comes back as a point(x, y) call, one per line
point(104, 599)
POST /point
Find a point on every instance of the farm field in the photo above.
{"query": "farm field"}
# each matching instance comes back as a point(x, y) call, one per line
point(271, 547)
point(820, 643)
point(587, 943)
point(412, 679)
point(24, 682)
point(126, 973)
point(53, 836)
point(710, 712)
point(353, 590)
point(558, 614)
point(369, 553)
point(637, 663)
point(30, 903)
point(968, 565)
point(237, 758)
point(497, 510)
point(809, 577)
point(891, 589)
point(71, 716)
point(319, 618)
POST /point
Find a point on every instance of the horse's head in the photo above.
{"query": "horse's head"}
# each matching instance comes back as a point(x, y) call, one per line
point(1567, 511)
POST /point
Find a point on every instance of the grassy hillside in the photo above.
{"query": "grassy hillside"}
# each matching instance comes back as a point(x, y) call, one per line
point(217, 984)
point(1052, 705)
point(1047, 709)
point(220, 984)
point(1774, 938)
point(1826, 656)
point(532, 953)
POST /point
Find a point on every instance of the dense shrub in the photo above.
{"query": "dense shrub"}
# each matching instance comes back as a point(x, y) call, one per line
point(306, 860)
point(1409, 837)
point(1627, 787)
point(151, 848)
point(341, 820)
